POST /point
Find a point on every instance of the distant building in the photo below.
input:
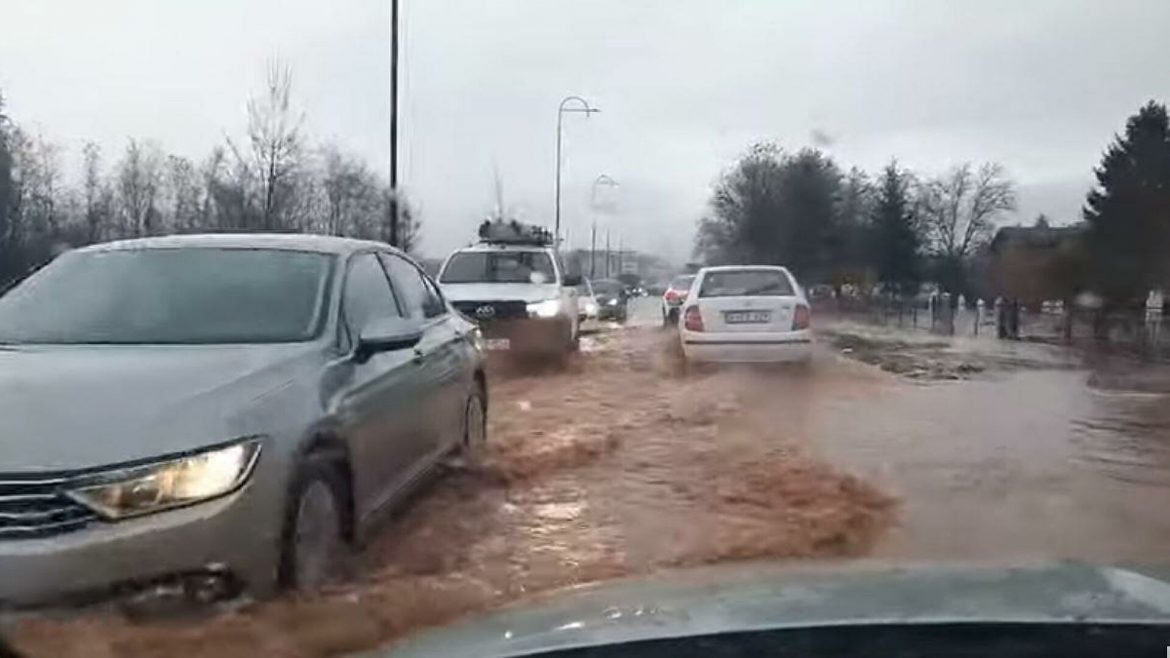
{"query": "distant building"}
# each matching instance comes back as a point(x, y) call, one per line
point(1026, 261)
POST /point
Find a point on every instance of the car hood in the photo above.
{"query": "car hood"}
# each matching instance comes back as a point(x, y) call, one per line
point(486, 292)
point(72, 407)
point(757, 597)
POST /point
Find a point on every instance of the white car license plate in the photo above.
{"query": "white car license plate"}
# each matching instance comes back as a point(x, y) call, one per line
point(747, 317)
point(498, 344)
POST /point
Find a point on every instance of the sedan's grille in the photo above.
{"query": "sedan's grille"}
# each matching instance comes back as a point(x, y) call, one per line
point(500, 310)
point(36, 507)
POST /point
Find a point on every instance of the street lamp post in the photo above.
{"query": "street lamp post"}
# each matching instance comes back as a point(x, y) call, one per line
point(586, 109)
point(394, 210)
point(602, 179)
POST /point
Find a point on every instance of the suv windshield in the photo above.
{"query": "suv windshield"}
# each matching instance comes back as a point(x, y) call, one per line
point(499, 267)
point(745, 283)
point(188, 296)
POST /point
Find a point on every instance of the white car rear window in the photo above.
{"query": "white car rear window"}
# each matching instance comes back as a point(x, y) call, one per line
point(746, 283)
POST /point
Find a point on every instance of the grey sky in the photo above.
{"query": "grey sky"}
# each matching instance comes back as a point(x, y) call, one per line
point(684, 86)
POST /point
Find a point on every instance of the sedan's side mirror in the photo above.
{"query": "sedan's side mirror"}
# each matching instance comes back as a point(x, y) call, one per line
point(572, 280)
point(387, 335)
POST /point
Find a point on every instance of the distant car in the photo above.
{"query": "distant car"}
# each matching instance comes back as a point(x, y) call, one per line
point(612, 302)
point(673, 297)
point(746, 314)
point(520, 293)
point(225, 409)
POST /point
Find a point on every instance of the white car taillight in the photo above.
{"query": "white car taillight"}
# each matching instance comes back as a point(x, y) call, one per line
point(802, 318)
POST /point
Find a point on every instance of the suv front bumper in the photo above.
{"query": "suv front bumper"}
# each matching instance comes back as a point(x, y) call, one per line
point(535, 336)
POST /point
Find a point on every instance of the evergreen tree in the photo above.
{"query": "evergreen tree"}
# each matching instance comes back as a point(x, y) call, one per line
point(1129, 213)
point(896, 239)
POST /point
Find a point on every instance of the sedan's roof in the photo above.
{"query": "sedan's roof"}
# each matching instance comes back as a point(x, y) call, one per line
point(740, 268)
point(326, 244)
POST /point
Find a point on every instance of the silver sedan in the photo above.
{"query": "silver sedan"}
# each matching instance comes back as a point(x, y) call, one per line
point(226, 409)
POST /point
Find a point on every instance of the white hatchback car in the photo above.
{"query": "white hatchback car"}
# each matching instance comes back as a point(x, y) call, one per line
point(746, 314)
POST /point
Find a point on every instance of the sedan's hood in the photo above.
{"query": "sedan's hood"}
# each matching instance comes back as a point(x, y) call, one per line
point(72, 407)
point(489, 292)
point(756, 597)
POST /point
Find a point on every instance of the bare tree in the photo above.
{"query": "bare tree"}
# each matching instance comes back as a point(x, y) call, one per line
point(139, 177)
point(182, 193)
point(351, 195)
point(275, 147)
point(97, 197)
point(959, 208)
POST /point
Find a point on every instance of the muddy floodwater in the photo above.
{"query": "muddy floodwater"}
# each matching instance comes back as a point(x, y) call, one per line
point(1036, 453)
point(617, 465)
point(625, 464)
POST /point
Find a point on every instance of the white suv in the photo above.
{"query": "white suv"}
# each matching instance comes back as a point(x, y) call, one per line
point(520, 294)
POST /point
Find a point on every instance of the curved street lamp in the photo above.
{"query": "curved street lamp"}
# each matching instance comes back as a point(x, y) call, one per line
point(602, 179)
point(585, 108)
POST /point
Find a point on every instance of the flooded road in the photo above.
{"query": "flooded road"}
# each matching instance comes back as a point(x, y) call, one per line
point(615, 466)
point(621, 464)
point(1028, 458)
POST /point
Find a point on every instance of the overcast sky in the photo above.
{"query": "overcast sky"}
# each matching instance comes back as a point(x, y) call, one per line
point(684, 85)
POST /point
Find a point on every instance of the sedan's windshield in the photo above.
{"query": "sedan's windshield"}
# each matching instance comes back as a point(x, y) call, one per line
point(499, 267)
point(188, 296)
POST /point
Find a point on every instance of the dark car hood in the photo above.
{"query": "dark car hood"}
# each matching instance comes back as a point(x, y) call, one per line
point(71, 407)
point(756, 597)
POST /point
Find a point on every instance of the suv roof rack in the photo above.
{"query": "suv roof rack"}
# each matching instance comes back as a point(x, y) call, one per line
point(513, 232)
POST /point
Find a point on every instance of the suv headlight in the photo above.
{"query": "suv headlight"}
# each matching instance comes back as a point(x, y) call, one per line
point(548, 308)
point(136, 490)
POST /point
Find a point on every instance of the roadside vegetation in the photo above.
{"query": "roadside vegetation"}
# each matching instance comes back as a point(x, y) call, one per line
point(896, 229)
point(276, 177)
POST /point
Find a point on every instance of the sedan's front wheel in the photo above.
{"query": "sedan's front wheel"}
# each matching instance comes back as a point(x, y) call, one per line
point(314, 540)
point(474, 427)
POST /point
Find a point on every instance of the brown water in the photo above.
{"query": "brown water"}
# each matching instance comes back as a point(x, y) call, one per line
point(1010, 464)
point(616, 466)
point(621, 465)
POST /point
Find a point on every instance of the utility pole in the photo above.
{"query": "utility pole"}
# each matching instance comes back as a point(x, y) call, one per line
point(593, 251)
point(621, 246)
point(394, 239)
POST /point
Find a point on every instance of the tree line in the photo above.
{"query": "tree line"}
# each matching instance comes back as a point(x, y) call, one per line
point(894, 229)
point(276, 179)
point(898, 229)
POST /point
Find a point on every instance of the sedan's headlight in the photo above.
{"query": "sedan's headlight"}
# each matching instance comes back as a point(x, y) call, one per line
point(175, 482)
point(613, 302)
point(590, 307)
point(548, 308)
point(477, 339)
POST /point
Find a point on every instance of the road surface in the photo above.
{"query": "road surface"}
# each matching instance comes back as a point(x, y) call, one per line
point(624, 463)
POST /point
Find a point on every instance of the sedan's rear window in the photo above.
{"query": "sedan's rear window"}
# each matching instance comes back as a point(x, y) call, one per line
point(746, 283)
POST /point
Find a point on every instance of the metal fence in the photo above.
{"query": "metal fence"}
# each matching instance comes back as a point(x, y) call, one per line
point(1125, 331)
